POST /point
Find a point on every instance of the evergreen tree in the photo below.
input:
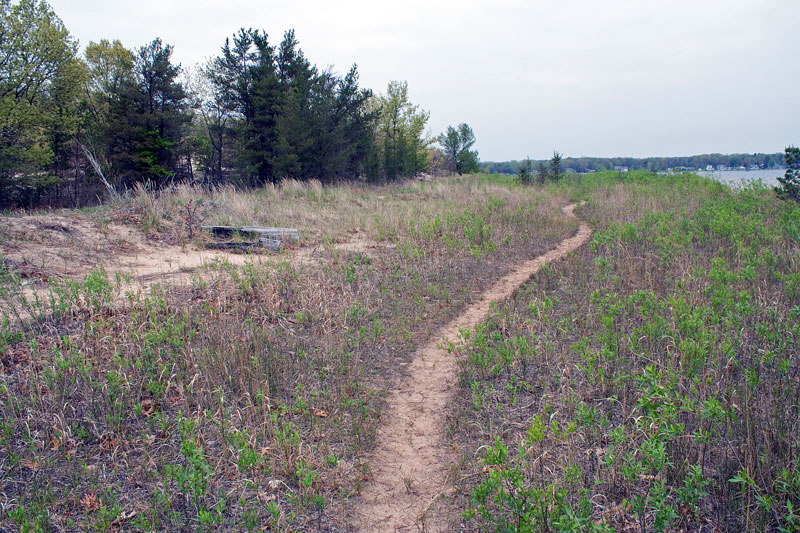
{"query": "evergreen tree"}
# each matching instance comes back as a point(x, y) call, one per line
point(162, 112)
point(291, 121)
point(140, 112)
point(355, 127)
point(299, 126)
point(555, 166)
point(790, 182)
point(110, 68)
point(525, 175)
point(247, 85)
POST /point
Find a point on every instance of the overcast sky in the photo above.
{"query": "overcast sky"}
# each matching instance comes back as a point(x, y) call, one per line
point(585, 77)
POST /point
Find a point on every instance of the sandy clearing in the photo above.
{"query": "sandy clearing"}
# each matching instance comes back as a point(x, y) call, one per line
point(68, 247)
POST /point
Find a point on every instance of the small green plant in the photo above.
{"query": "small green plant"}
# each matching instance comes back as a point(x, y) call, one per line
point(193, 475)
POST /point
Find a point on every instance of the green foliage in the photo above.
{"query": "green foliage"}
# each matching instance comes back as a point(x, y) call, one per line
point(38, 63)
point(555, 167)
point(457, 144)
point(402, 150)
point(193, 476)
point(285, 118)
point(263, 114)
point(525, 175)
point(790, 182)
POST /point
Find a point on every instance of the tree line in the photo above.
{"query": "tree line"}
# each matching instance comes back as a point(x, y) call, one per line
point(656, 164)
point(77, 126)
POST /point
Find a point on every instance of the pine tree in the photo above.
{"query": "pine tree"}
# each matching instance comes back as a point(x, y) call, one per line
point(247, 84)
point(790, 182)
point(161, 112)
point(525, 176)
point(555, 166)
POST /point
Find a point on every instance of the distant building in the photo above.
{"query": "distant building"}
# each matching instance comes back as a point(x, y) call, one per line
point(620, 168)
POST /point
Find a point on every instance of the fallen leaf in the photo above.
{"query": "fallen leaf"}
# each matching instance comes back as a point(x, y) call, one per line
point(147, 407)
point(90, 501)
point(31, 465)
point(108, 441)
point(320, 413)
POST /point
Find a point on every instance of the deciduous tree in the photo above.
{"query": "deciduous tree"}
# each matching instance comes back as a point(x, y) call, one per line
point(36, 54)
point(457, 144)
point(402, 146)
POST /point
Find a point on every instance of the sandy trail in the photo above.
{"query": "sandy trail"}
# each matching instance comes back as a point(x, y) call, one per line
point(410, 463)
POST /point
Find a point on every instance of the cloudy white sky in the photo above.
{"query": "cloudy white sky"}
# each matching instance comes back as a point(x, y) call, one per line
point(585, 77)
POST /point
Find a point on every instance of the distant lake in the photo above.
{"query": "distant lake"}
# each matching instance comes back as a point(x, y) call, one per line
point(735, 177)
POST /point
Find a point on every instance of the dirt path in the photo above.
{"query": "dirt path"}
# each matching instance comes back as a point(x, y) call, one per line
point(410, 463)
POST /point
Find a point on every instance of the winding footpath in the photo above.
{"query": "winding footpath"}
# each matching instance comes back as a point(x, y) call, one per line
point(411, 461)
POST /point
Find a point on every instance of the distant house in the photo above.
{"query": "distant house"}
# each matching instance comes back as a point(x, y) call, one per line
point(709, 168)
point(620, 168)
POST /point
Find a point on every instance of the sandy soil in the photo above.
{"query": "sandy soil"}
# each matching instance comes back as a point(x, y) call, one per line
point(410, 464)
point(46, 248)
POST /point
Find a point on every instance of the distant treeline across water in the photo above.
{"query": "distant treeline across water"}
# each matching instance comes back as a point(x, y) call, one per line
point(702, 162)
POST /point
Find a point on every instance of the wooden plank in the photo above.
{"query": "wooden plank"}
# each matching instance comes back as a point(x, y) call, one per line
point(272, 245)
point(289, 234)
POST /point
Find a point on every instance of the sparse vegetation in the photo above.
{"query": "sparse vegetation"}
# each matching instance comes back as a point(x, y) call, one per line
point(249, 397)
point(650, 382)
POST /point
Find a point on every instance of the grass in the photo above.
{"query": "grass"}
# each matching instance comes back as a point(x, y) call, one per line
point(249, 398)
point(651, 382)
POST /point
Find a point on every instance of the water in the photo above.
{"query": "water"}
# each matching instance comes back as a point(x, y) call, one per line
point(738, 177)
